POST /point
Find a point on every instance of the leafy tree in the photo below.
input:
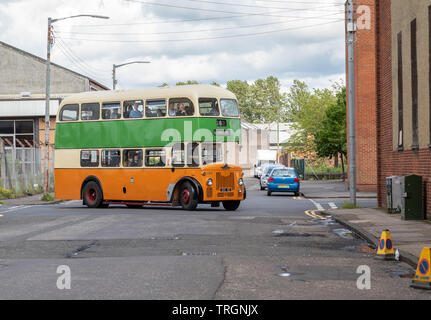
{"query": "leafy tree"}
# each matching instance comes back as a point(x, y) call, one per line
point(260, 102)
point(180, 83)
point(331, 138)
point(306, 111)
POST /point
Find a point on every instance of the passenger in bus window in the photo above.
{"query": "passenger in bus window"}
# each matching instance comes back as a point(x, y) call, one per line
point(135, 162)
point(127, 111)
point(115, 114)
point(135, 113)
point(172, 109)
point(181, 111)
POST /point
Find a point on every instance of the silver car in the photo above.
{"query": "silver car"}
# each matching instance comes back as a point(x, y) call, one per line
point(265, 174)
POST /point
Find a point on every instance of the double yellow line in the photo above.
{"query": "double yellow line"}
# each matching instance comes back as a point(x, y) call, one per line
point(313, 214)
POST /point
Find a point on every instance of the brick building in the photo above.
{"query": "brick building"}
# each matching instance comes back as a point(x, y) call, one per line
point(403, 74)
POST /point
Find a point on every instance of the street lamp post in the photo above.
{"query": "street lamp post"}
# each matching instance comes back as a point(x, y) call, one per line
point(114, 79)
point(48, 89)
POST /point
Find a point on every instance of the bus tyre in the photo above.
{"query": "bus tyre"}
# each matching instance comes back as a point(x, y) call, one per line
point(188, 196)
point(92, 195)
point(269, 193)
point(231, 205)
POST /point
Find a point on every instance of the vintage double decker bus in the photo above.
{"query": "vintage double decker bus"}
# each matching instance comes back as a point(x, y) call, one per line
point(163, 146)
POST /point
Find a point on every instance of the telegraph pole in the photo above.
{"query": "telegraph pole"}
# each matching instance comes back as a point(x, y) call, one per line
point(48, 88)
point(351, 31)
point(47, 115)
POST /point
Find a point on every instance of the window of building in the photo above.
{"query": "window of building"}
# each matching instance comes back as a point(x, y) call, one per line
point(178, 155)
point(111, 158)
point(180, 107)
point(400, 92)
point(132, 158)
point(208, 107)
point(133, 109)
point(90, 111)
point(17, 133)
point(414, 67)
point(89, 158)
point(155, 108)
point(429, 71)
point(111, 110)
point(155, 158)
point(69, 112)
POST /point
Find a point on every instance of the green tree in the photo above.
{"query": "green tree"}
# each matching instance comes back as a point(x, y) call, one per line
point(180, 83)
point(331, 138)
point(306, 111)
point(260, 102)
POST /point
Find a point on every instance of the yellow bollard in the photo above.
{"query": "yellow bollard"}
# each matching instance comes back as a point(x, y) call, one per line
point(422, 279)
point(385, 251)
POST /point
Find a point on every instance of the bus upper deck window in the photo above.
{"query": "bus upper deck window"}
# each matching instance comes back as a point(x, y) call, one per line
point(208, 107)
point(90, 111)
point(155, 108)
point(229, 107)
point(181, 107)
point(133, 109)
point(69, 112)
point(111, 110)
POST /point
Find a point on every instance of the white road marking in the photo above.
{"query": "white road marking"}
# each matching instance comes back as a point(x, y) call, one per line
point(318, 205)
point(332, 205)
point(69, 202)
point(15, 208)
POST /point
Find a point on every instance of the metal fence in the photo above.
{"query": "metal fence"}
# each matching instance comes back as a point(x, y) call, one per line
point(23, 170)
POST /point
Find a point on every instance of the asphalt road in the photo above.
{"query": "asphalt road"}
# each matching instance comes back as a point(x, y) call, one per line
point(270, 248)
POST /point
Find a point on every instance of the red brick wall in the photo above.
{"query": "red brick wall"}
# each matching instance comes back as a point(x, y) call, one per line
point(365, 104)
point(393, 162)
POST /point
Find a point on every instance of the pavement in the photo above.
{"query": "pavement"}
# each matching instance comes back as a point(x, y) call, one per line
point(409, 237)
point(28, 201)
point(326, 189)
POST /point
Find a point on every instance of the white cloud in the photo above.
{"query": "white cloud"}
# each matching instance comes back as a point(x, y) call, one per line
point(314, 54)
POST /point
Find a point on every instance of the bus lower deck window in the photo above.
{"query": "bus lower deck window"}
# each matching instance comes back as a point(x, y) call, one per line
point(132, 158)
point(89, 158)
point(111, 158)
point(155, 158)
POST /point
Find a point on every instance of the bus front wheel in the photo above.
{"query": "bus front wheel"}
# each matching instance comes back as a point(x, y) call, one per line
point(92, 195)
point(231, 205)
point(188, 196)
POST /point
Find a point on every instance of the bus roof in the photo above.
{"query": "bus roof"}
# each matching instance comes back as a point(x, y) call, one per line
point(193, 91)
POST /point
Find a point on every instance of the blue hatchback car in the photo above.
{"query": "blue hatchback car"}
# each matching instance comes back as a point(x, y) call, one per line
point(283, 180)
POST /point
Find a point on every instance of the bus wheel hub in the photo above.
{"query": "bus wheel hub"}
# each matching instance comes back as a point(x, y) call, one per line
point(185, 196)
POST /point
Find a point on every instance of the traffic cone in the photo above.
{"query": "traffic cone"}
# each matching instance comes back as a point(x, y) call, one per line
point(422, 279)
point(385, 251)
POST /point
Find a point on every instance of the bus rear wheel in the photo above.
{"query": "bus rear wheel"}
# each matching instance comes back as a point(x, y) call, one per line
point(92, 195)
point(231, 205)
point(188, 197)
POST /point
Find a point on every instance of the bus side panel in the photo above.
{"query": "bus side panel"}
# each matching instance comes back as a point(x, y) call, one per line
point(67, 184)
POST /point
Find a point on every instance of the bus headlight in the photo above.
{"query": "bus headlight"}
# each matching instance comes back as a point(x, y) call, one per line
point(240, 182)
point(210, 182)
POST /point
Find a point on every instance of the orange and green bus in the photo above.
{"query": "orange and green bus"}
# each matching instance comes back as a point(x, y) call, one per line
point(159, 146)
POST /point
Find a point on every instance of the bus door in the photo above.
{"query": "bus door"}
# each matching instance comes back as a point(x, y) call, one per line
point(133, 180)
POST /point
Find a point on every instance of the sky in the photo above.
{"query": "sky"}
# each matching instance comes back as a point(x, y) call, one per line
point(202, 40)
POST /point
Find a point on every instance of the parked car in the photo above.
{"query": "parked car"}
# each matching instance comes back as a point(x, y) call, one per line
point(265, 174)
point(283, 180)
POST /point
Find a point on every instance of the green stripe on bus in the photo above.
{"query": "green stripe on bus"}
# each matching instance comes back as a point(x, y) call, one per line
point(141, 132)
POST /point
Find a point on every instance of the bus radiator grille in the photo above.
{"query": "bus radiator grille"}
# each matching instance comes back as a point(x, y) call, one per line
point(225, 182)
